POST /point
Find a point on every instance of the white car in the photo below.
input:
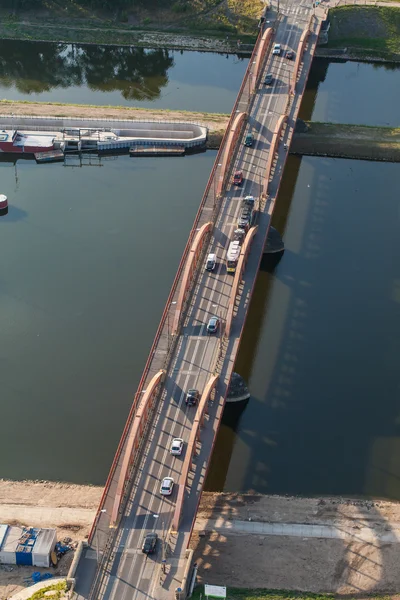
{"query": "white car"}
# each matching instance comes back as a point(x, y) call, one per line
point(177, 446)
point(167, 485)
point(277, 49)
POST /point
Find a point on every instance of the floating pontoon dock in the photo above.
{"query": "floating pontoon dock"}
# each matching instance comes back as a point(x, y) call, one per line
point(106, 135)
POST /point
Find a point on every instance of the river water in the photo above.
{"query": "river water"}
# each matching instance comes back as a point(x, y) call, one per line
point(361, 93)
point(88, 256)
point(321, 349)
point(119, 75)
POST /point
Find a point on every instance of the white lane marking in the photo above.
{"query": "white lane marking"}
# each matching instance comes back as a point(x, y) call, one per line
point(222, 228)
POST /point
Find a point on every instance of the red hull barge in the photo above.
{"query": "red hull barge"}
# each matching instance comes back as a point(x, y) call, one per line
point(14, 142)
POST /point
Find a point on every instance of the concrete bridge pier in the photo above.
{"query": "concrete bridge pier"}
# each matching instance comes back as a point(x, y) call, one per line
point(274, 243)
point(238, 390)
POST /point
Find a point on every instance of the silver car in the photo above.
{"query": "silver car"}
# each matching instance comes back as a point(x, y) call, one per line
point(176, 446)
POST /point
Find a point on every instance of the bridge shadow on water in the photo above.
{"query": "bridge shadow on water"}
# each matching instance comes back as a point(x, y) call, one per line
point(323, 417)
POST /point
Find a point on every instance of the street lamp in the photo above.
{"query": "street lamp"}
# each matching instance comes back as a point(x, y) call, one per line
point(215, 181)
point(168, 326)
point(103, 510)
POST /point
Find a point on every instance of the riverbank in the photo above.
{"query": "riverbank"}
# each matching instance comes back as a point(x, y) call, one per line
point(215, 122)
point(212, 25)
point(363, 33)
point(348, 141)
point(66, 507)
point(321, 139)
point(333, 545)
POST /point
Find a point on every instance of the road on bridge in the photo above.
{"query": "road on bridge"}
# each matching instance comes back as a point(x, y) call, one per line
point(132, 575)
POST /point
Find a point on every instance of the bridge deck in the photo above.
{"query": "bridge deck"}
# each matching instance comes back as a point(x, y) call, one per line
point(128, 573)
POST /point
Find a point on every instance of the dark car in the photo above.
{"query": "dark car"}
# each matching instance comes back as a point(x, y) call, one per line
point(238, 178)
point(192, 397)
point(213, 325)
point(149, 543)
point(268, 79)
point(289, 54)
point(249, 139)
point(245, 218)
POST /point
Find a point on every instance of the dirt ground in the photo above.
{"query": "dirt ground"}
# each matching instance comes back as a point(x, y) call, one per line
point(341, 566)
point(68, 508)
point(215, 122)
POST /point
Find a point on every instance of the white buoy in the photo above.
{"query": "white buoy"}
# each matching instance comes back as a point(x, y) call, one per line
point(3, 204)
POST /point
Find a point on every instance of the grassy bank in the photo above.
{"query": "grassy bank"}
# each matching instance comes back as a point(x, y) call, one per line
point(247, 594)
point(366, 30)
point(349, 141)
point(265, 594)
point(140, 24)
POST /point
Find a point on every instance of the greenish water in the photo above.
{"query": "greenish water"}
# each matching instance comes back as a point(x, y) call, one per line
point(344, 91)
point(92, 74)
point(88, 256)
point(321, 347)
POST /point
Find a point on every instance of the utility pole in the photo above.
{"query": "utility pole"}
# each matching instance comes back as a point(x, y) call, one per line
point(163, 548)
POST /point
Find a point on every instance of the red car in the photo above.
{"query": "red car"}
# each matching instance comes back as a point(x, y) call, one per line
point(289, 54)
point(238, 178)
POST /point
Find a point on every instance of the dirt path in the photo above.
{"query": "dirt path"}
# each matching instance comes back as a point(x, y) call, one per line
point(350, 562)
point(69, 508)
point(215, 122)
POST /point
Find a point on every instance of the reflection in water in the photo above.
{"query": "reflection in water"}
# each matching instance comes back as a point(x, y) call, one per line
point(324, 369)
point(115, 75)
point(137, 73)
point(336, 92)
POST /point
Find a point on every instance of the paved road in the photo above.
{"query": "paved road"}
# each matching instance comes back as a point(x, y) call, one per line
point(132, 575)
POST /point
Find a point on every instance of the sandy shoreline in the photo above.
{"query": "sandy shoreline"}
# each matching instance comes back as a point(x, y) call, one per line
point(68, 508)
point(344, 546)
point(214, 121)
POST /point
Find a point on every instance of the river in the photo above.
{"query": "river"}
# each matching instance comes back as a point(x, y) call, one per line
point(115, 75)
point(88, 256)
point(344, 91)
point(321, 347)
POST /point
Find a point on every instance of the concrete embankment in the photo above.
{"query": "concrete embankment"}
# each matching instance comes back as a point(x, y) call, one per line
point(348, 141)
point(215, 122)
point(321, 139)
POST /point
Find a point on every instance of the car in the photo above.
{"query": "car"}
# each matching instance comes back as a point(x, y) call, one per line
point(211, 262)
point(245, 218)
point(167, 485)
point(249, 139)
point(213, 325)
point(268, 79)
point(176, 446)
point(149, 543)
point(239, 235)
point(238, 177)
point(277, 50)
point(192, 397)
point(249, 200)
point(289, 54)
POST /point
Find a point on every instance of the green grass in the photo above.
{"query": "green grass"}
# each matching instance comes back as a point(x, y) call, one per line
point(366, 28)
point(118, 107)
point(70, 22)
point(59, 587)
point(265, 594)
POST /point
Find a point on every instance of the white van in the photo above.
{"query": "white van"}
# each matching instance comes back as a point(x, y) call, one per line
point(211, 262)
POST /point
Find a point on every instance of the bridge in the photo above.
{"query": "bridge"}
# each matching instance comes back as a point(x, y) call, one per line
point(183, 356)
